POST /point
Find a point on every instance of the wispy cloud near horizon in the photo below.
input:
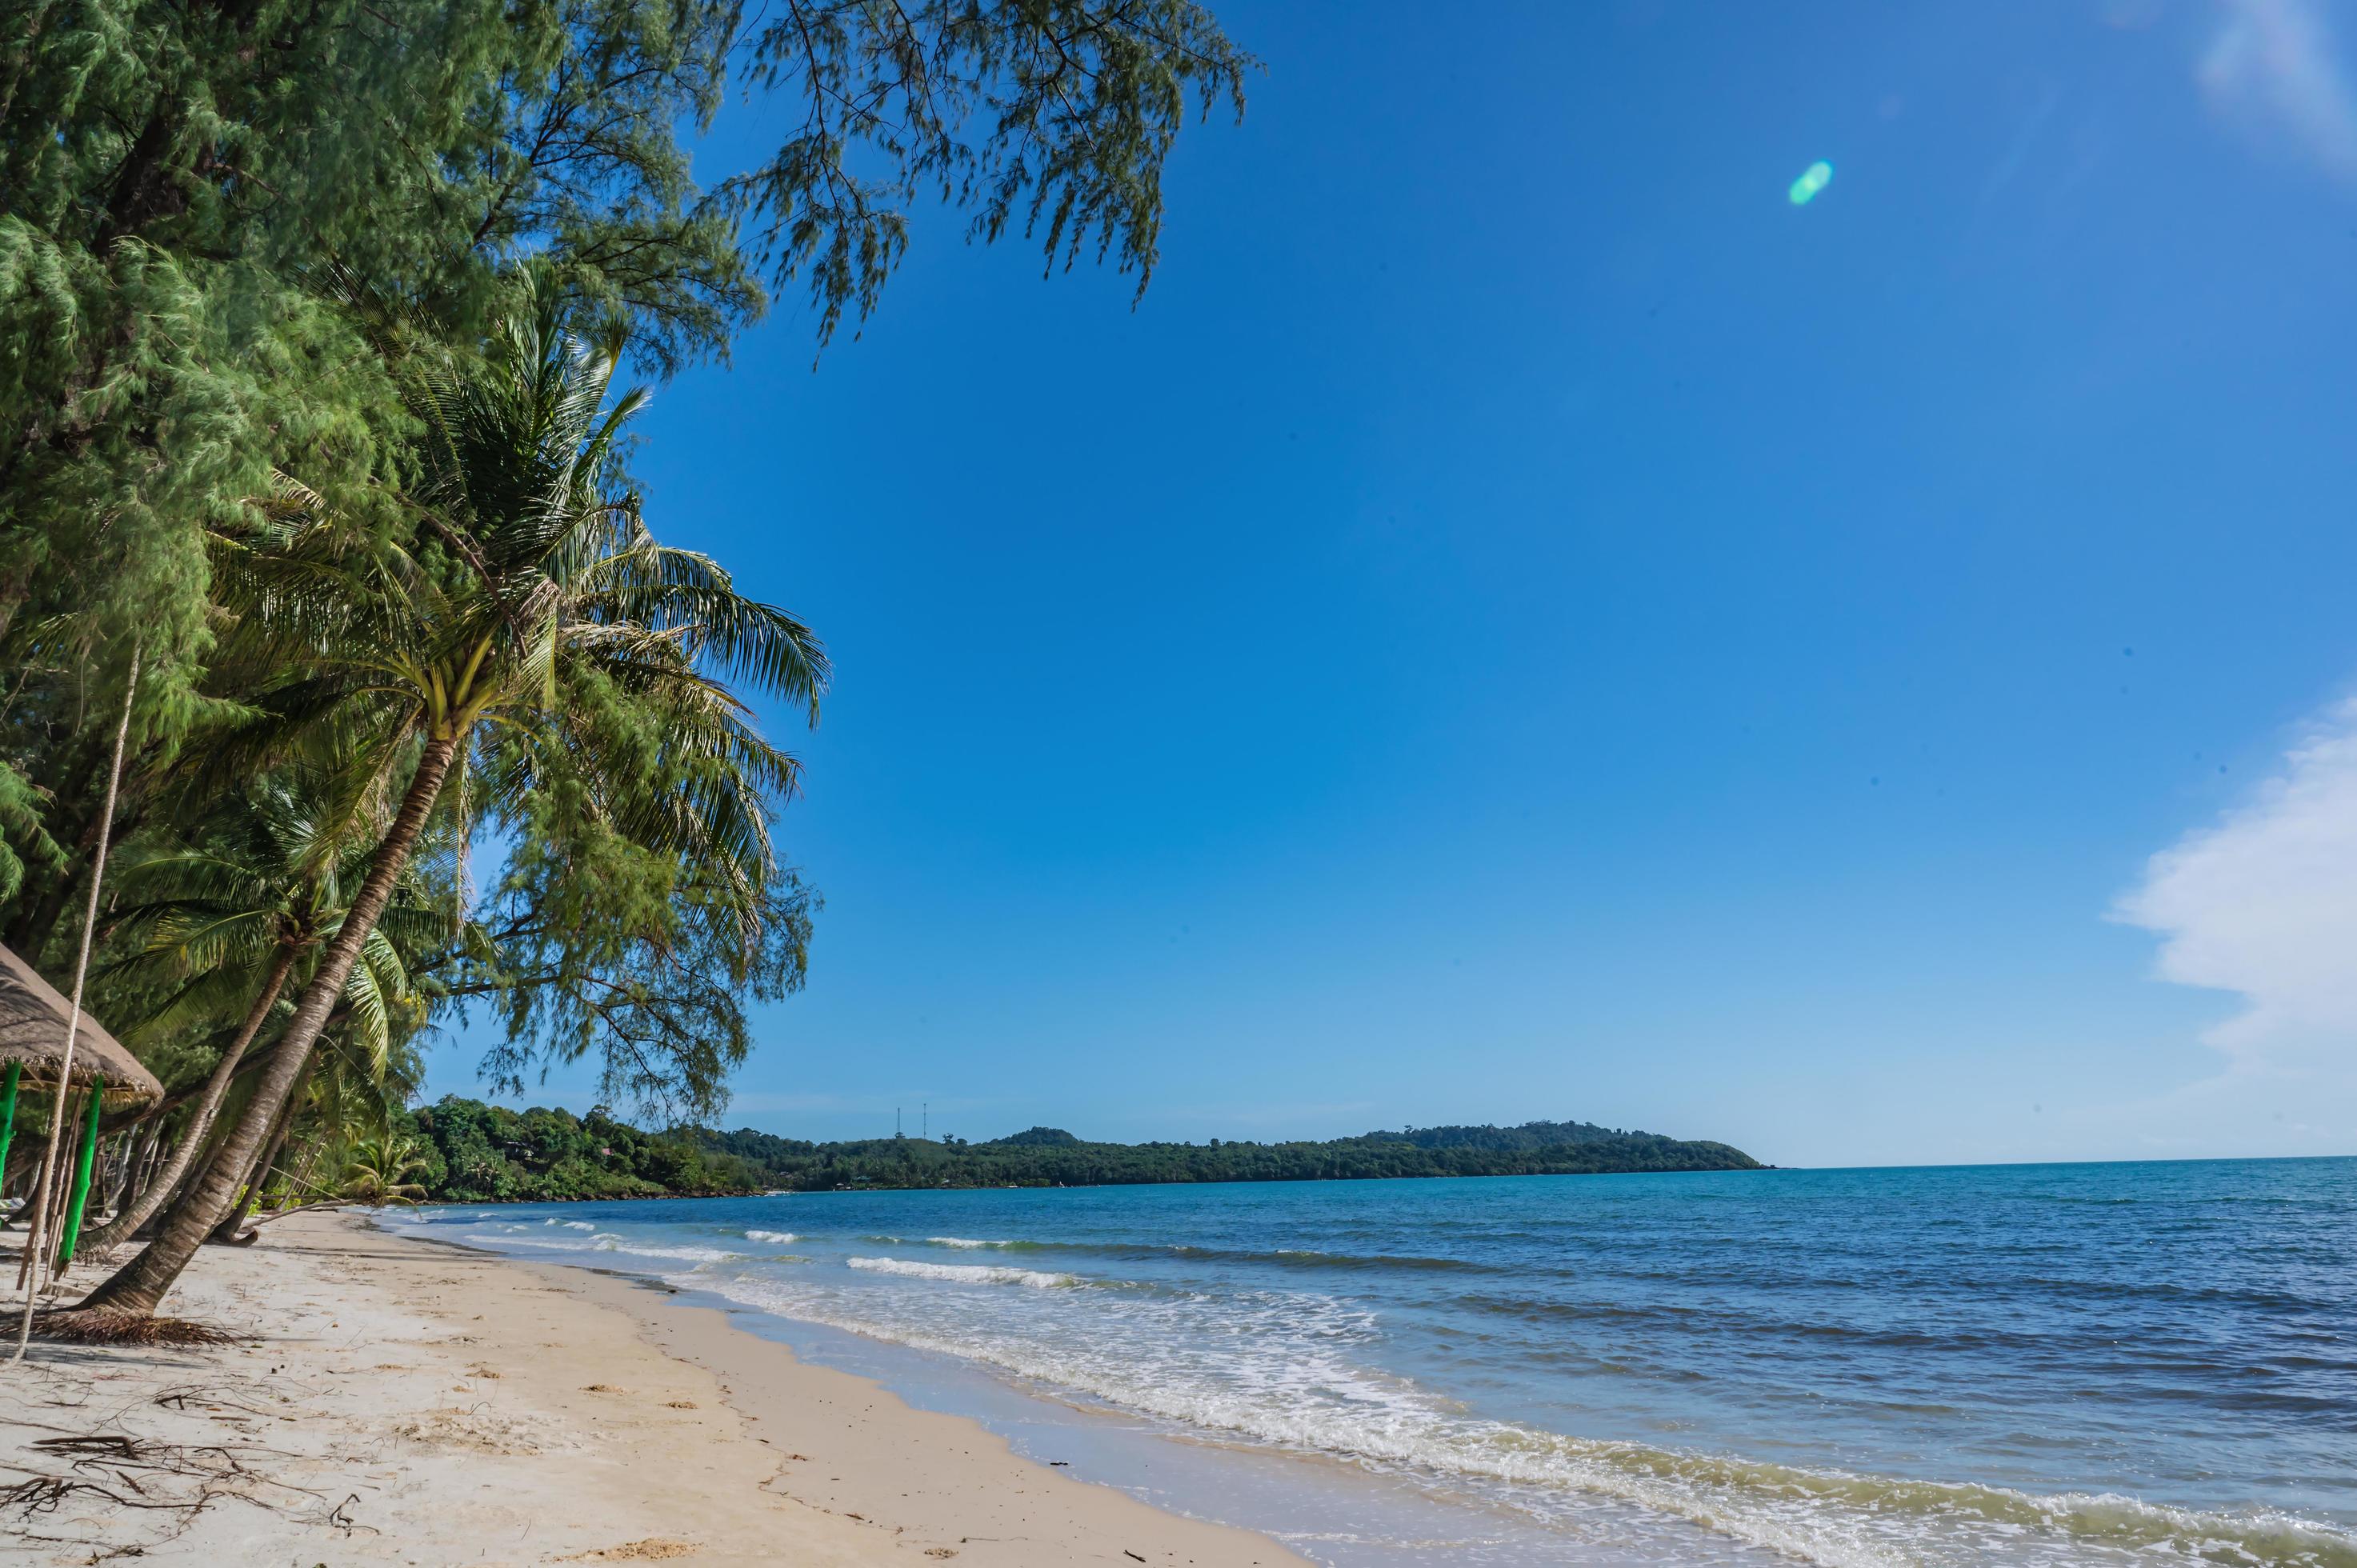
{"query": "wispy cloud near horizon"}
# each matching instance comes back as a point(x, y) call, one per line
point(2263, 904)
point(2272, 65)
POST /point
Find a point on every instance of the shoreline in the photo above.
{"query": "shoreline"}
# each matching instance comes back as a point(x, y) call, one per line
point(397, 1403)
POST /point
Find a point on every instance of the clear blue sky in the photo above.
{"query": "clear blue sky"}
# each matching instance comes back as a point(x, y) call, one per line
point(1526, 622)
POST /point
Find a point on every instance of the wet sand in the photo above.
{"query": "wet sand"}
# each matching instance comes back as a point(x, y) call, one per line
point(391, 1402)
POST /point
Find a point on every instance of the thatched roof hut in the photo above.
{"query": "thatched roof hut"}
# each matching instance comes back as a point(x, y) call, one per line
point(33, 1031)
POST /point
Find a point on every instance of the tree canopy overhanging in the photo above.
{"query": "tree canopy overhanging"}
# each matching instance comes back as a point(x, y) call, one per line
point(317, 322)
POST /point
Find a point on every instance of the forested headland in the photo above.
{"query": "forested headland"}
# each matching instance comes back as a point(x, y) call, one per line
point(475, 1152)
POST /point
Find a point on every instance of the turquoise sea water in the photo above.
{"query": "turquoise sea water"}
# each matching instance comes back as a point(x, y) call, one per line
point(2141, 1363)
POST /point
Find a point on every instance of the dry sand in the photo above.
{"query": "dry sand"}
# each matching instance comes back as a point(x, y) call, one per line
point(397, 1402)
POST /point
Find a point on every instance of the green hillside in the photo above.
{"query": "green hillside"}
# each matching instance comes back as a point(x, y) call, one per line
point(473, 1152)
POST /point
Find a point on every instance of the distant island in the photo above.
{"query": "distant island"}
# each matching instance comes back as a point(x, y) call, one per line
point(472, 1153)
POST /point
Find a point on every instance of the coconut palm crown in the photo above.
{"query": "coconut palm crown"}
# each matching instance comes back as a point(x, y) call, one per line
point(509, 623)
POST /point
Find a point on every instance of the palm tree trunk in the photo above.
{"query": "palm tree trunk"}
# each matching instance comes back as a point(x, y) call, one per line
point(151, 1198)
point(226, 1233)
point(139, 1285)
point(199, 1168)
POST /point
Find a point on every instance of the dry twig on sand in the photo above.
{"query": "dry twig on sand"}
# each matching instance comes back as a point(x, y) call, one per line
point(173, 1479)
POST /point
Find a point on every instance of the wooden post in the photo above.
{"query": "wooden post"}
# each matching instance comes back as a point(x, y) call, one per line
point(156, 1147)
point(53, 1209)
point(113, 1169)
point(29, 1273)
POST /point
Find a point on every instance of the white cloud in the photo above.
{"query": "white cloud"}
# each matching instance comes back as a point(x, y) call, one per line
point(2272, 63)
point(2263, 904)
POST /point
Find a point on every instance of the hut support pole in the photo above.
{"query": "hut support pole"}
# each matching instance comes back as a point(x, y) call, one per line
point(28, 1274)
point(54, 1211)
point(81, 1178)
point(8, 1111)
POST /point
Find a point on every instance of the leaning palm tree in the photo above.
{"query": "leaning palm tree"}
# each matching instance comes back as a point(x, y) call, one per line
point(363, 1073)
point(525, 597)
point(234, 910)
point(368, 1040)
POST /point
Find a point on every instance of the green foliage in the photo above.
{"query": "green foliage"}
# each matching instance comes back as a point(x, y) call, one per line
point(1048, 1156)
point(379, 1167)
point(580, 669)
point(311, 312)
point(484, 1153)
point(198, 193)
point(1055, 116)
point(142, 399)
point(22, 833)
point(1035, 1138)
point(203, 909)
point(487, 1153)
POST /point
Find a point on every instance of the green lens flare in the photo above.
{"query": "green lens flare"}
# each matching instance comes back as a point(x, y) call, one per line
point(1804, 189)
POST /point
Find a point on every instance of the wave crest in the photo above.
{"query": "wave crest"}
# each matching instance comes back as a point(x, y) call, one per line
point(965, 1274)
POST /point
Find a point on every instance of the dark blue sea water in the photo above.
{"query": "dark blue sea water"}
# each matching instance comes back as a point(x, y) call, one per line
point(2036, 1364)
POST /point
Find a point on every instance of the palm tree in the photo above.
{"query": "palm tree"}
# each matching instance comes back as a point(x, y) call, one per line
point(232, 912)
point(524, 607)
point(367, 1043)
point(378, 1168)
point(357, 1077)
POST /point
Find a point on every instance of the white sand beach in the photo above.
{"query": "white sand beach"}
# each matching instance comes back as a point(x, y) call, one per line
point(389, 1401)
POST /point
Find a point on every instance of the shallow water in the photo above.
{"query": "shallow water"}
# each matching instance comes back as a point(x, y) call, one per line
point(2137, 1363)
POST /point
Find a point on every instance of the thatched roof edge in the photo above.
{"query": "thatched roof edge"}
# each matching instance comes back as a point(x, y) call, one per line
point(33, 1031)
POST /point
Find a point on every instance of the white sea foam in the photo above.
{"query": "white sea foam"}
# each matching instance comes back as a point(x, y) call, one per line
point(606, 1241)
point(775, 1238)
point(964, 1273)
point(1298, 1369)
point(514, 1236)
point(1281, 1372)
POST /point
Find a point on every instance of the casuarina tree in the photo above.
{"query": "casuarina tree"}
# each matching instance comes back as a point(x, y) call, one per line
point(526, 598)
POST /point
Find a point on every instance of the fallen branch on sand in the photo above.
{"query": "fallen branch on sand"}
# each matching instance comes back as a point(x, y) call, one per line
point(43, 1494)
point(121, 1460)
point(133, 1471)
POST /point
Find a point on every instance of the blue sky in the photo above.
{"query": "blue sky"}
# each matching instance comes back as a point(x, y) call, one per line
point(1523, 621)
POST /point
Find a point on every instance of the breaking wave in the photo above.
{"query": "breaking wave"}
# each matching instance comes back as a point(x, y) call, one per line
point(965, 1274)
point(1838, 1519)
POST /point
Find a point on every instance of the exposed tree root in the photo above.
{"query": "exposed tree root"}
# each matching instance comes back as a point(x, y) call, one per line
point(97, 1325)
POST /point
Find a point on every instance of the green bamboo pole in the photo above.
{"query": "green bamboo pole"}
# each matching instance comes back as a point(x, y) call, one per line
point(82, 1176)
point(8, 1111)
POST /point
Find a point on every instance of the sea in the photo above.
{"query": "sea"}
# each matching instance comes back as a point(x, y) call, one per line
point(2118, 1363)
